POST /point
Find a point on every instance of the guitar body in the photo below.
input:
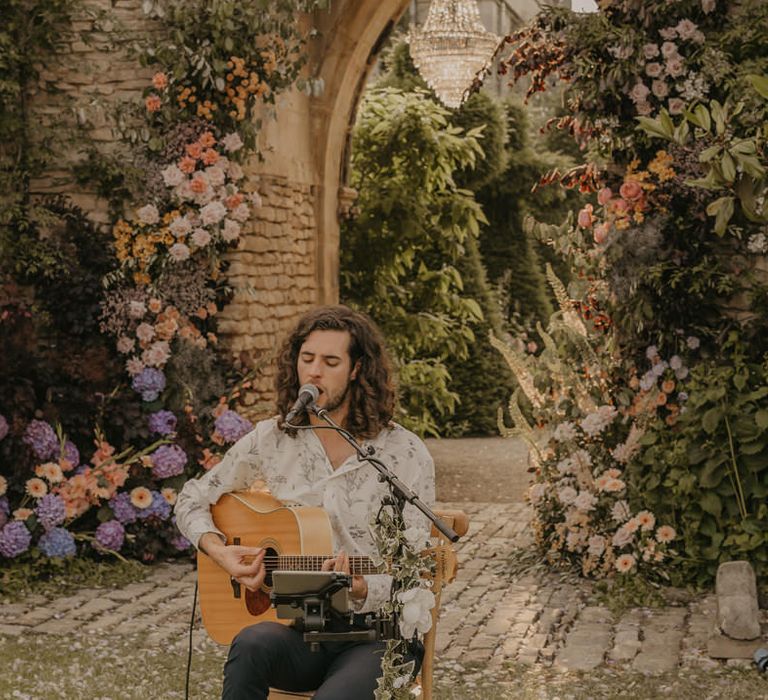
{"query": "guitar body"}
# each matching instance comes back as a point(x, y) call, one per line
point(255, 520)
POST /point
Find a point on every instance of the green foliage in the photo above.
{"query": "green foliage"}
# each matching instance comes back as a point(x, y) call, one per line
point(710, 474)
point(31, 35)
point(198, 44)
point(482, 380)
point(399, 255)
point(54, 358)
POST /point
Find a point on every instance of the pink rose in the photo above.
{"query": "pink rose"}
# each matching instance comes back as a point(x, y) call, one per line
point(620, 206)
point(675, 66)
point(669, 49)
point(644, 108)
point(604, 196)
point(631, 190)
point(686, 29)
point(585, 217)
point(676, 105)
point(660, 88)
point(654, 70)
point(600, 233)
point(639, 92)
point(651, 50)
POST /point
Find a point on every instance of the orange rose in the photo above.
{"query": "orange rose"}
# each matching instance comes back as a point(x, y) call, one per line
point(152, 103)
point(187, 165)
point(195, 150)
point(160, 81)
point(207, 140)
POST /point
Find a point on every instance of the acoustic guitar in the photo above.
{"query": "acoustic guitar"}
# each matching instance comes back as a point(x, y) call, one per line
point(296, 538)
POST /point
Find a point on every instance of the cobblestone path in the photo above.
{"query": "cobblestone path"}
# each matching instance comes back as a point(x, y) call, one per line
point(490, 615)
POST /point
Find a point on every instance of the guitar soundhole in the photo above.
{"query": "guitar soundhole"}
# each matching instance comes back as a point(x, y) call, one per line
point(270, 560)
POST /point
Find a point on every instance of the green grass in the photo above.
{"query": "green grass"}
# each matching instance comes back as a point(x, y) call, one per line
point(56, 577)
point(135, 667)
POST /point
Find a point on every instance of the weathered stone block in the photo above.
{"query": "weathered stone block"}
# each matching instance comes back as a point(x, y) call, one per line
point(738, 615)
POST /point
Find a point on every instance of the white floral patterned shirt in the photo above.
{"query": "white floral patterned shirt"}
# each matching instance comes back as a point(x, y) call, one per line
point(297, 469)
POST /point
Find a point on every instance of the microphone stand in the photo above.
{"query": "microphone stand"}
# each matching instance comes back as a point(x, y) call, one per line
point(400, 493)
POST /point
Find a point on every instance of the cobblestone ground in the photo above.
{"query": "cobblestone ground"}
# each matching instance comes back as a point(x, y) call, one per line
point(490, 616)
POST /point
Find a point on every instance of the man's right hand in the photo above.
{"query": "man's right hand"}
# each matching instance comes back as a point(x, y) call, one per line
point(244, 564)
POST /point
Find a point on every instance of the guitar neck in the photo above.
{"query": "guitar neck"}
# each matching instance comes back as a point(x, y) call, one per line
point(358, 566)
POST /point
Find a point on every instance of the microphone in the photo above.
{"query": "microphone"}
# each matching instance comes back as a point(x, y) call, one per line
point(308, 394)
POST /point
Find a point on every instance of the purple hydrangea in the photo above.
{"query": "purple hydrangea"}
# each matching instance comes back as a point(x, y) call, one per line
point(181, 543)
point(168, 460)
point(4, 510)
point(42, 439)
point(149, 383)
point(123, 509)
point(71, 453)
point(50, 511)
point(110, 535)
point(159, 508)
point(231, 426)
point(3, 426)
point(57, 542)
point(162, 422)
point(14, 539)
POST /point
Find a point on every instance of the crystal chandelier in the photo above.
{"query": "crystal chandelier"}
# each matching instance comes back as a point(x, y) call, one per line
point(451, 48)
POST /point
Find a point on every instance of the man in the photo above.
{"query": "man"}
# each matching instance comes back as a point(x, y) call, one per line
point(342, 353)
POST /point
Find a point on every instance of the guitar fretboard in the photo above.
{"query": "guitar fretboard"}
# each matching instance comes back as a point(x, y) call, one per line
point(358, 566)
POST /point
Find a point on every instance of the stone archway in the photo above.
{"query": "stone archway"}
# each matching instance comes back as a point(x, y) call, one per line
point(289, 260)
point(355, 31)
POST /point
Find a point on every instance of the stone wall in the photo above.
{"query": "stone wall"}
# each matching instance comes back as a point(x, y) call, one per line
point(274, 276)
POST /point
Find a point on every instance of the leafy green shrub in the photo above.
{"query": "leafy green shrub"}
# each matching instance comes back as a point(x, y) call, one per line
point(709, 475)
point(400, 254)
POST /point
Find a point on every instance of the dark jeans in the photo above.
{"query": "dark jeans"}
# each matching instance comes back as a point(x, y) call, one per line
point(273, 655)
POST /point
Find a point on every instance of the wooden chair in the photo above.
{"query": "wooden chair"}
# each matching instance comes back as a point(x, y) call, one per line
point(446, 565)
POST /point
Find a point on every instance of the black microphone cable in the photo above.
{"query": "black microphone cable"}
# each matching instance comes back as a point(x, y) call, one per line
point(189, 650)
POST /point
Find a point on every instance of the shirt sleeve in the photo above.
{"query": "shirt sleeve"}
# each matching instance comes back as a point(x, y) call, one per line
point(239, 468)
point(419, 476)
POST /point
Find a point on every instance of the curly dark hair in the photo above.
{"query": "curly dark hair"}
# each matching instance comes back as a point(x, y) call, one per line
point(371, 395)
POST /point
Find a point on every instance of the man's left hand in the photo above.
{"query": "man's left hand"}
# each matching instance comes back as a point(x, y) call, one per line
point(340, 562)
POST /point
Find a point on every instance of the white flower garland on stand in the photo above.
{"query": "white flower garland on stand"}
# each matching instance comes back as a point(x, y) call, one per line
point(410, 606)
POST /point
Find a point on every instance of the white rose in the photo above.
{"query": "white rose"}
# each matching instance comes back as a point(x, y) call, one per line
point(172, 176)
point(567, 495)
point(201, 237)
point(232, 142)
point(241, 212)
point(230, 231)
point(212, 213)
point(157, 354)
point(180, 226)
point(416, 616)
point(216, 176)
point(234, 171)
point(148, 214)
point(145, 332)
point(125, 344)
point(179, 252)
point(137, 309)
